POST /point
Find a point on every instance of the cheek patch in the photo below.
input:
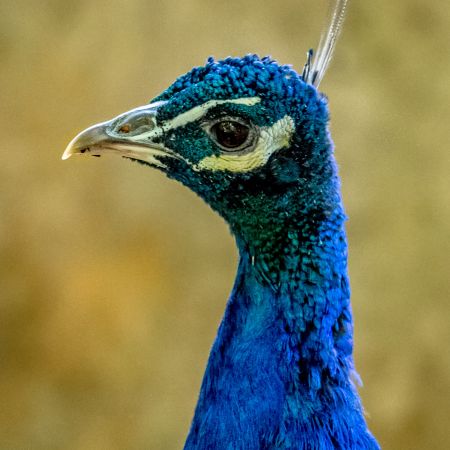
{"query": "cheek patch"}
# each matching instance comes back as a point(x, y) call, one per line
point(270, 140)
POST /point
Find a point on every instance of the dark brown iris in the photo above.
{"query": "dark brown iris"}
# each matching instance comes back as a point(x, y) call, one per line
point(230, 134)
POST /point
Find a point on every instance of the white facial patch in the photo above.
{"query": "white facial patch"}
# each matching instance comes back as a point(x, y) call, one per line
point(270, 140)
point(199, 111)
point(189, 116)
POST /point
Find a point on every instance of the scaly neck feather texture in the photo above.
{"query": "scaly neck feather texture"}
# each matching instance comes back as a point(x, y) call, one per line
point(279, 373)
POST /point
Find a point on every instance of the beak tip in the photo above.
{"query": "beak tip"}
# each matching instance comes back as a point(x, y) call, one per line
point(67, 154)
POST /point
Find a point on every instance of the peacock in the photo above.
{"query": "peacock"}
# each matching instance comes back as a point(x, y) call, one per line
point(250, 137)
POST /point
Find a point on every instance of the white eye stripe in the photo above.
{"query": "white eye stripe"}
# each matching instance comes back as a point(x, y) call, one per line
point(191, 116)
point(199, 111)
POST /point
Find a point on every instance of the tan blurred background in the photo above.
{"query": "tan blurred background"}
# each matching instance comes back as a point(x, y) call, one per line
point(113, 279)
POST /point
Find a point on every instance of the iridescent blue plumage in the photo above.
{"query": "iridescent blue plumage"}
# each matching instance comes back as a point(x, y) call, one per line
point(279, 374)
point(250, 137)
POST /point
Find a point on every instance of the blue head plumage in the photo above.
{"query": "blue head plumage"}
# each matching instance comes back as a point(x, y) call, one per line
point(287, 152)
point(250, 137)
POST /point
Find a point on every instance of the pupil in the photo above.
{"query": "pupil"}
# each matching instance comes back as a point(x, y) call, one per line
point(230, 134)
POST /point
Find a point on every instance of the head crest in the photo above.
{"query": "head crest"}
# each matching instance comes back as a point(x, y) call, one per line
point(316, 64)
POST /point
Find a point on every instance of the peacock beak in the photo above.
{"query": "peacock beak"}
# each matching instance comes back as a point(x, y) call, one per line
point(134, 134)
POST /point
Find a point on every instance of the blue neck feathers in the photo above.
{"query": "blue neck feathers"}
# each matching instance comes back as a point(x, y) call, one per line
point(279, 373)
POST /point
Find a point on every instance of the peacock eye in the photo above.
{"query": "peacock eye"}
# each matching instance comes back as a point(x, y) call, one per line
point(232, 135)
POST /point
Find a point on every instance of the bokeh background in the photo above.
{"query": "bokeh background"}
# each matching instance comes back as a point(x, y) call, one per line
point(113, 279)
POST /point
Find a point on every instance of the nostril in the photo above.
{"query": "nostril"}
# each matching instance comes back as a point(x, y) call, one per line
point(132, 124)
point(126, 128)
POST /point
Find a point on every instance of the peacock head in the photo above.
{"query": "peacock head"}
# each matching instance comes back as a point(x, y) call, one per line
point(246, 134)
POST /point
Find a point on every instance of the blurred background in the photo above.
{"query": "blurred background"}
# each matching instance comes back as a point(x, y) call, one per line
point(114, 279)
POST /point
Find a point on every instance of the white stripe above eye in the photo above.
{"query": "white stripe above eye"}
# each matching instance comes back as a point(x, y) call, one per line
point(199, 111)
point(191, 116)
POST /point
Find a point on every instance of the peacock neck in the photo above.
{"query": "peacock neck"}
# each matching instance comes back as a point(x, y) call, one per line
point(279, 372)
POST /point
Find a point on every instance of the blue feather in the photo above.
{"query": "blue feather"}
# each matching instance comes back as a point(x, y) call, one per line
point(279, 373)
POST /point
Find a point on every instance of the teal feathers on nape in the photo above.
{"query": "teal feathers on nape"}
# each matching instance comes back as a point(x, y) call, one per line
point(250, 137)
